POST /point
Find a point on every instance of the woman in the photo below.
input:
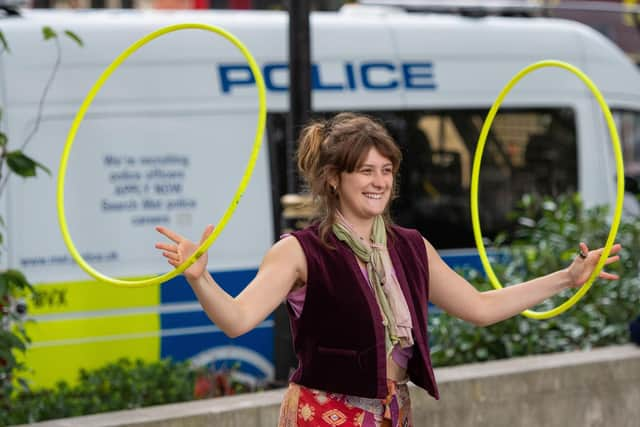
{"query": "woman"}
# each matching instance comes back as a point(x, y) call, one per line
point(357, 286)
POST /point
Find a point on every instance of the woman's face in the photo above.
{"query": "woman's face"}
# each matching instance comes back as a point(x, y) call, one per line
point(365, 192)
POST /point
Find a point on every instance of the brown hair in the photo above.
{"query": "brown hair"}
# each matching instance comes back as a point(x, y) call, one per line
point(341, 144)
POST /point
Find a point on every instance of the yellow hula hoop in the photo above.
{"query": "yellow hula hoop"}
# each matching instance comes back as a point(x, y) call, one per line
point(615, 140)
point(262, 110)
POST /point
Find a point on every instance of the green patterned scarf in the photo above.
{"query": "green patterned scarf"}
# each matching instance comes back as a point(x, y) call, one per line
point(393, 307)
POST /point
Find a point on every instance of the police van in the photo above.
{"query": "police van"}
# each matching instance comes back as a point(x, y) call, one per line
point(167, 138)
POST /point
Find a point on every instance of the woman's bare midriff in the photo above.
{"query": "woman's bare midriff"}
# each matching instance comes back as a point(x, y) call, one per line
point(395, 372)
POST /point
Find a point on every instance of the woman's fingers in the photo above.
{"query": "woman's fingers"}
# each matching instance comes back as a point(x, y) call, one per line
point(584, 249)
point(176, 254)
point(206, 233)
point(598, 252)
point(614, 250)
point(172, 256)
point(612, 259)
point(175, 237)
point(166, 247)
point(608, 276)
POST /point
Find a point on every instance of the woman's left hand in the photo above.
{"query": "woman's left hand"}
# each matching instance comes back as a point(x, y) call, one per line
point(581, 268)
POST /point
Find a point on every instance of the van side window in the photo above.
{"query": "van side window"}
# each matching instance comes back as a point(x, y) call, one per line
point(528, 151)
point(628, 124)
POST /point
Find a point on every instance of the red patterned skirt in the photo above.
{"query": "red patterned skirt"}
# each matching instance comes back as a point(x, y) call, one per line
point(305, 407)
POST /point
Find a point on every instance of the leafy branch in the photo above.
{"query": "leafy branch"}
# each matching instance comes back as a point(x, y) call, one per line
point(16, 160)
point(13, 283)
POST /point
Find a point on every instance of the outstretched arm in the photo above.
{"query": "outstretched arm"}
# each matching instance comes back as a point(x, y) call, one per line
point(459, 298)
point(283, 266)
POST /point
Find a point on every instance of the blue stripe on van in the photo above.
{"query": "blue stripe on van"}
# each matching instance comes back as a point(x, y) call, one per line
point(184, 320)
point(186, 334)
point(470, 258)
point(178, 290)
point(463, 259)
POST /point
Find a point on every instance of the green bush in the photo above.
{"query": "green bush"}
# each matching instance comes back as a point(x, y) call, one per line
point(124, 384)
point(120, 385)
point(545, 239)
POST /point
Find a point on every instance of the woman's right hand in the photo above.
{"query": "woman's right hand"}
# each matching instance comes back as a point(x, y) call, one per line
point(181, 249)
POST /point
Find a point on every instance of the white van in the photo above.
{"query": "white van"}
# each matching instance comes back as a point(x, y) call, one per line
point(167, 138)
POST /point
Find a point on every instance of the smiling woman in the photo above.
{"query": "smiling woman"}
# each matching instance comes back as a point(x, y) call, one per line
point(357, 286)
point(349, 161)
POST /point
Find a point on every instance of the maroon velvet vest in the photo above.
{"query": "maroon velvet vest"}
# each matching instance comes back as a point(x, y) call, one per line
point(339, 337)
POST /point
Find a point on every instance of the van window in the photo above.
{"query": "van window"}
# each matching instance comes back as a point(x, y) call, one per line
point(528, 151)
point(628, 124)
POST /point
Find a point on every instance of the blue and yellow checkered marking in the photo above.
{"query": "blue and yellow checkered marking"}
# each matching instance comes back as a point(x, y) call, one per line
point(88, 324)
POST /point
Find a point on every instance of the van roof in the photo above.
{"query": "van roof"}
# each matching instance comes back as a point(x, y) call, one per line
point(509, 36)
point(495, 48)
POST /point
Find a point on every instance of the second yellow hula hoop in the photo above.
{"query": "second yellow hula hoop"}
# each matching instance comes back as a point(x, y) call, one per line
point(262, 111)
point(615, 140)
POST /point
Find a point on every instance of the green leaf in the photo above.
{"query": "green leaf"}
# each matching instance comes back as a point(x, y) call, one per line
point(48, 33)
point(24, 384)
point(22, 165)
point(8, 357)
point(73, 36)
point(4, 43)
point(11, 340)
point(3, 139)
point(4, 286)
point(43, 167)
point(16, 278)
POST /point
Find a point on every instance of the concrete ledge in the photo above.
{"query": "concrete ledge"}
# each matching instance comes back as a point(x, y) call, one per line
point(600, 387)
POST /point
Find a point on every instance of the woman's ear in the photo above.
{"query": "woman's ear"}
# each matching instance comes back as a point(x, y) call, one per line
point(334, 181)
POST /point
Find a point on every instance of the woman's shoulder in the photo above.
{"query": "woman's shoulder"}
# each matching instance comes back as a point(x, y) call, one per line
point(310, 233)
point(314, 240)
point(410, 236)
point(407, 233)
point(410, 243)
point(312, 229)
point(400, 228)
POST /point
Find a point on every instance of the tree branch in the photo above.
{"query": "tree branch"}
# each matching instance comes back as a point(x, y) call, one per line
point(44, 94)
point(36, 126)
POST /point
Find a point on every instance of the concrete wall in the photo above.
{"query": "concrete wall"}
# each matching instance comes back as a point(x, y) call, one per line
point(583, 389)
